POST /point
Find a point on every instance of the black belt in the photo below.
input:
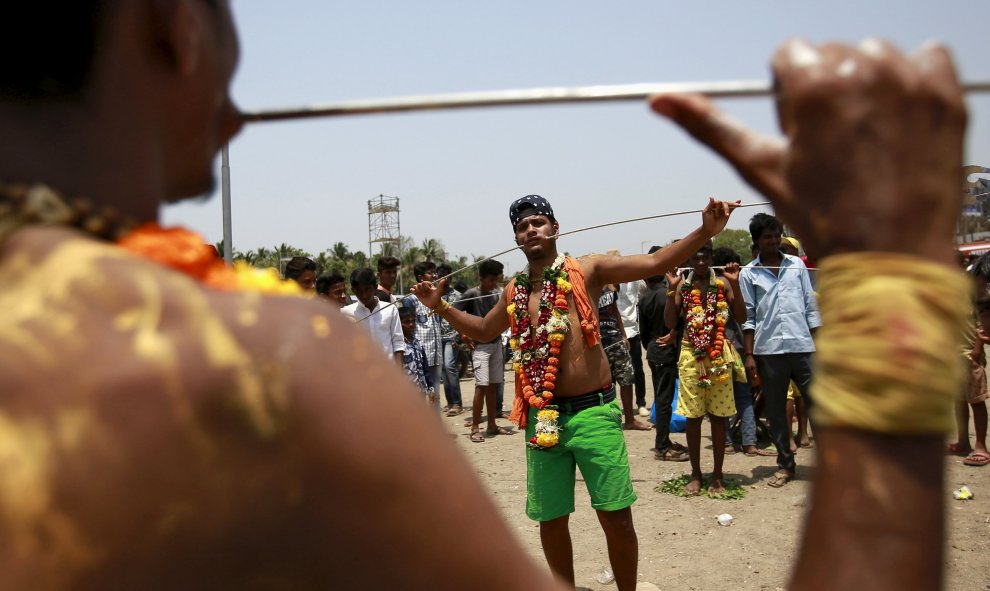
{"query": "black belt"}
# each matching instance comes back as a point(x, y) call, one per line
point(575, 404)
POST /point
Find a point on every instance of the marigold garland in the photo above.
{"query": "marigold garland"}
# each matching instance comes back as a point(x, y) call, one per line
point(188, 253)
point(705, 320)
point(534, 352)
point(546, 434)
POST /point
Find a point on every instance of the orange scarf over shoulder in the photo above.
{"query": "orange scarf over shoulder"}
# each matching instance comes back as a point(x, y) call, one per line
point(589, 327)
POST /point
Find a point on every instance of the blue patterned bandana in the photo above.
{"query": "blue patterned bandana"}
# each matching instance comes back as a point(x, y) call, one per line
point(527, 206)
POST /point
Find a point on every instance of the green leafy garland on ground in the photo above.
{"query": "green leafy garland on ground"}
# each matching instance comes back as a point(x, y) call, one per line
point(675, 486)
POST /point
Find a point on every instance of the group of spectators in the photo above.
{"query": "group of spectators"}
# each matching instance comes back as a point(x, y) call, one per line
point(416, 339)
point(719, 336)
point(764, 366)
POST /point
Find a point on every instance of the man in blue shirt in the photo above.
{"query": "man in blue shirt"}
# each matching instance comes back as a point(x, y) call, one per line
point(781, 317)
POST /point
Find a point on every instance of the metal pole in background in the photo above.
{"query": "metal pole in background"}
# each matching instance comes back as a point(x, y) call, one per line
point(228, 244)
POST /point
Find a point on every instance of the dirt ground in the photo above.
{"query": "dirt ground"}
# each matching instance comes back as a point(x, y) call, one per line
point(681, 546)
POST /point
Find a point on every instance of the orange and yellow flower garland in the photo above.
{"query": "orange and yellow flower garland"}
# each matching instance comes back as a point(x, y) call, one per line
point(706, 319)
point(535, 352)
point(188, 253)
point(26, 204)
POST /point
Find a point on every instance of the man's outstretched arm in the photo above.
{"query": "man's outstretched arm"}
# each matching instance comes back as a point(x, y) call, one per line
point(623, 269)
point(481, 329)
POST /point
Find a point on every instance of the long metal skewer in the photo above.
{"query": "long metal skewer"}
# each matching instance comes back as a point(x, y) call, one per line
point(531, 96)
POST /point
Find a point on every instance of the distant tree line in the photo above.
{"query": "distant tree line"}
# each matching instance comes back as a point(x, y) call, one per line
point(343, 260)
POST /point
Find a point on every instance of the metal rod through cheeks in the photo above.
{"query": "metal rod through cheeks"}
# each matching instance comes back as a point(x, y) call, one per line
point(531, 96)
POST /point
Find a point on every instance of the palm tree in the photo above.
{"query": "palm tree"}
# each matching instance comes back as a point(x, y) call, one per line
point(388, 249)
point(323, 260)
point(250, 257)
point(265, 258)
point(340, 251)
point(432, 250)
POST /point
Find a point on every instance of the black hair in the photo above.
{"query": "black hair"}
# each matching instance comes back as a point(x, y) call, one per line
point(724, 255)
point(49, 47)
point(326, 280)
point(762, 222)
point(388, 263)
point(405, 311)
point(297, 266)
point(363, 276)
point(444, 269)
point(655, 278)
point(490, 268)
point(981, 268)
point(420, 269)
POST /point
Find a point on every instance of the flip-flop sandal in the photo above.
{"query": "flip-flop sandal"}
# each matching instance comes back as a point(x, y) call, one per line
point(499, 431)
point(977, 458)
point(477, 437)
point(779, 479)
point(671, 455)
point(761, 452)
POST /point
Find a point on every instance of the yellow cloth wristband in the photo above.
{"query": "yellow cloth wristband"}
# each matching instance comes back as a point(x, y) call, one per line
point(888, 348)
point(443, 306)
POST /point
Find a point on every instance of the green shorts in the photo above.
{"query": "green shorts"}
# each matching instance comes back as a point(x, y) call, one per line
point(592, 440)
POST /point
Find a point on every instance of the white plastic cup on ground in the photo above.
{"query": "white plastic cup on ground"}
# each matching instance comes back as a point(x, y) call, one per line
point(606, 576)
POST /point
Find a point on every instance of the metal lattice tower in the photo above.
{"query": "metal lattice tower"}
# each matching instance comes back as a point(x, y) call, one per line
point(383, 224)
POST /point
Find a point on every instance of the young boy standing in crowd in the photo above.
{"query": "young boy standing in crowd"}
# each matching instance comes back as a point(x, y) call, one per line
point(414, 357)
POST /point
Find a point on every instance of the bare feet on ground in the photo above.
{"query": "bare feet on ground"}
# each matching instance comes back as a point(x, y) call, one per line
point(716, 487)
point(636, 425)
point(694, 486)
point(958, 448)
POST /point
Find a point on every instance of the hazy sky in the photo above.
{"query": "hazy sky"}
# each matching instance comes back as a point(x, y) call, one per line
point(307, 183)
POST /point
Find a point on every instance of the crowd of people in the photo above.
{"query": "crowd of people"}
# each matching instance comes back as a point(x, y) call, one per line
point(759, 320)
point(162, 425)
point(729, 342)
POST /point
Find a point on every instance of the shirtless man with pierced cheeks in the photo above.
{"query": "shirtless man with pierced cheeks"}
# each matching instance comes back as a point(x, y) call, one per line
point(591, 437)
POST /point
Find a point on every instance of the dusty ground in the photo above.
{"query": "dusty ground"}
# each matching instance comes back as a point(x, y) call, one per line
point(682, 546)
